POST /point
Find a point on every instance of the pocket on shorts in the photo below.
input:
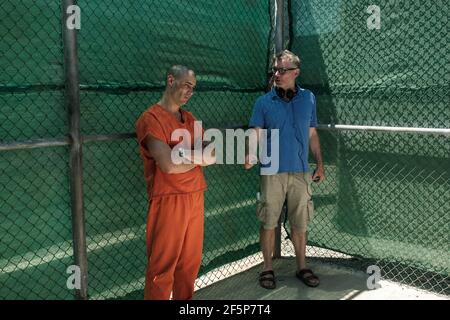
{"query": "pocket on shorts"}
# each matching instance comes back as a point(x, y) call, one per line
point(308, 180)
point(261, 210)
point(310, 208)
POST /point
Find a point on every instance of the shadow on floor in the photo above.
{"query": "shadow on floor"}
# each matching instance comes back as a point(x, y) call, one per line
point(335, 283)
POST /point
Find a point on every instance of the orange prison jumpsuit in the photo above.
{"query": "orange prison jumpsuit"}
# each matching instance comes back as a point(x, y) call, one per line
point(175, 214)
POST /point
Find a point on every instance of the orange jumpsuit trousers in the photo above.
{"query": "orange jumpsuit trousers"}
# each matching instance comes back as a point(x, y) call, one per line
point(174, 245)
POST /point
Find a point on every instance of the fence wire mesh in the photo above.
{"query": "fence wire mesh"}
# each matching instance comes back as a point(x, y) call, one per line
point(124, 50)
point(387, 207)
point(387, 194)
point(35, 220)
point(386, 200)
point(122, 72)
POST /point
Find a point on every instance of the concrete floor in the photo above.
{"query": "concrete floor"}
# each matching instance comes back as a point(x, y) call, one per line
point(337, 283)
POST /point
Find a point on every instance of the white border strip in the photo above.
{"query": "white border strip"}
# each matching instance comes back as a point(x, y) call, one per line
point(442, 131)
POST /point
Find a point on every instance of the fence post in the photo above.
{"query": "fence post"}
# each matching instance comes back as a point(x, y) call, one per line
point(279, 43)
point(279, 26)
point(72, 94)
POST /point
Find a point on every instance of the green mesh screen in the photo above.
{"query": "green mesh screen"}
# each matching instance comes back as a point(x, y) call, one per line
point(124, 50)
point(387, 197)
point(386, 200)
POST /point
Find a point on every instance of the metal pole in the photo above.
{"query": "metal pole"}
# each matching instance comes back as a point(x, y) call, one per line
point(344, 127)
point(42, 143)
point(76, 165)
point(279, 25)
point(279, 46)
point(32, 144)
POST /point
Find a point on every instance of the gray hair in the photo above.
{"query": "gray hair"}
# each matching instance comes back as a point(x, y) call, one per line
point(178, 71)
point(290, 56)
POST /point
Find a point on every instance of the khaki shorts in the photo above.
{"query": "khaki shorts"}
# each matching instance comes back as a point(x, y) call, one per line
point(274, 190)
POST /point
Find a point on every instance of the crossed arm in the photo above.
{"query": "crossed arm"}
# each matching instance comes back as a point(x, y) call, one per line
point(162, 154)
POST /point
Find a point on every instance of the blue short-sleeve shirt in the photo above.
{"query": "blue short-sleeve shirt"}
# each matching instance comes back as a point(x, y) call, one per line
point(293, 120)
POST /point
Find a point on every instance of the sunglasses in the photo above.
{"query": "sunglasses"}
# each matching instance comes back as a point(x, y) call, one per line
point(282, 70)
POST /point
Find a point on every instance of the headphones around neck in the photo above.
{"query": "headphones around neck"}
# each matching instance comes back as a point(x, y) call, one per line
point(285, 94)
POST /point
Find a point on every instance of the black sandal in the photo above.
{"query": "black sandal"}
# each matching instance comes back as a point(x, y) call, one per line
point(267, 279)
point(308, 277)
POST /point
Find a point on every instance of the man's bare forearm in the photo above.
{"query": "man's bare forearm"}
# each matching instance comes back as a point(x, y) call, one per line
point(162, 154)
point(315, 149)
point(180, 168)
point(200, 158)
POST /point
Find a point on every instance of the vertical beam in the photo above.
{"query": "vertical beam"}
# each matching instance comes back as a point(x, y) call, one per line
point(279, 45)
point(279, 26)
point(72, 95)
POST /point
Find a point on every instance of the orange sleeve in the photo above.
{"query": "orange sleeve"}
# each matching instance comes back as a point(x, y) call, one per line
point(148, 124)
point(193, 119)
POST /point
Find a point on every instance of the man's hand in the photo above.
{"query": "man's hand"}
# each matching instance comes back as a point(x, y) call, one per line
point(250, 161)
point(252, 146)
point(162, 154)
point(204, 154)
point(319, 174)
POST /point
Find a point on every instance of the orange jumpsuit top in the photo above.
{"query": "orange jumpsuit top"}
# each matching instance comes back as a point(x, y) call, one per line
point(160, 123)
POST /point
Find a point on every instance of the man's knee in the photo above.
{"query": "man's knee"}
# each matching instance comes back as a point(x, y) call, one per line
point(267, 228)
point(299, 231)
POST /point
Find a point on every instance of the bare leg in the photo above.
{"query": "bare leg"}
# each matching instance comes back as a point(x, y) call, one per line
point(299, 241)
point(267, 241)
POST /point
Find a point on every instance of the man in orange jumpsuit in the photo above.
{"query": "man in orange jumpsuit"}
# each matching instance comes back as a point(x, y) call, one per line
point(175, 191)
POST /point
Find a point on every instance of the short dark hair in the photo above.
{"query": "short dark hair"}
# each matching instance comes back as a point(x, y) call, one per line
point(177, 71)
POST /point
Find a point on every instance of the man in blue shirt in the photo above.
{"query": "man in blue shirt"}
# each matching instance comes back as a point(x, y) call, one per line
point(292, 111)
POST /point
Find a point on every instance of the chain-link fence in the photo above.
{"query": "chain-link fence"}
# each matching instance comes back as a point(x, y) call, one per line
point(35, 220)
point(386, 199)
point(124, 50)
point(385, 203)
